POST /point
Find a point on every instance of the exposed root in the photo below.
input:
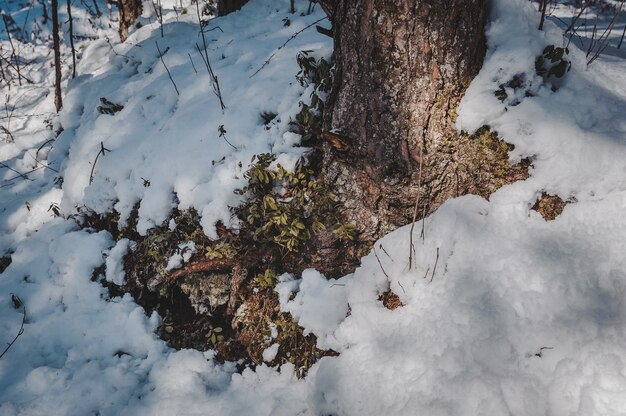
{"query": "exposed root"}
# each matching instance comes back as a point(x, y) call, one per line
point(200, 266)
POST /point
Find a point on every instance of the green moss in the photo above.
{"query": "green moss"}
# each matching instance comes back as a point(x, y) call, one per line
point(549, 206)
point(492, 154)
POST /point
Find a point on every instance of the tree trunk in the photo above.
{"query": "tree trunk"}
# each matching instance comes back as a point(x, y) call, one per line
point(130, 10)
point(401, 69)
point(56, 44)
point(228, 6)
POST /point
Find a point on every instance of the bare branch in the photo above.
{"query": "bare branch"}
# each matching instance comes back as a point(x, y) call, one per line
point(17, 303)
point(286, 42)
point(166, 68)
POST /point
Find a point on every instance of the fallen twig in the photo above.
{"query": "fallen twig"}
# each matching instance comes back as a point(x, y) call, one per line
point(210, 265)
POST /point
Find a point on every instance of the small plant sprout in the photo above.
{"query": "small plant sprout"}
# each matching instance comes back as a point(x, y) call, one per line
point(222, 132)
point(215, 335)
point(266, 279)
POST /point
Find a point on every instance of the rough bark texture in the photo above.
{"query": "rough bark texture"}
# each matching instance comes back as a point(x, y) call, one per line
point(56, 44)
point(401, 69)
point(130, 10)
point(228, 6)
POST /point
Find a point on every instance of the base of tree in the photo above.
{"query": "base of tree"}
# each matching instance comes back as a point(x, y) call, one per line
point(463, 164)
point(223, 298)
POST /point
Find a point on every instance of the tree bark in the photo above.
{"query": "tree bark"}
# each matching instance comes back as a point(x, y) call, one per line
point(401, 68)
point(130, 10)
point(228, 6)
point(56, 44)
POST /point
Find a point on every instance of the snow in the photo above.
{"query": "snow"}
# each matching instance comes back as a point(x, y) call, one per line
point(182, 255)
point(270, 352)
point(115, 261)
point(319, 305)
point(173, 140)
point(503, 312)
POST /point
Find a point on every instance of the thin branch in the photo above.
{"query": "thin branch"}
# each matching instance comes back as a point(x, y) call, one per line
point(542, 8)
point(16, 301)
point(95, 4)
point(284, 44)
point(212, 29)
point(102, 152)
point(16, 68)
point(159, 13)
point(7, 181)
point(9, 138)
point(619, 45)
point(432, 276)
point(13, 55)
point(214, 82)
point(575, 19)
point(192, 65)
point(166, 68)
point(41, 147)
point(23, 176)
point(385, 251)
point(603, 40)
point(88, 8)
point(380, 264)
point(39, 163)
point(593, 36)
point(71, 29)
point(207, 62)
point(419, 196)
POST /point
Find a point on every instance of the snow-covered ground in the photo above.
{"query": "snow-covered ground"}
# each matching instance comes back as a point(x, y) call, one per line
point(504, 313)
